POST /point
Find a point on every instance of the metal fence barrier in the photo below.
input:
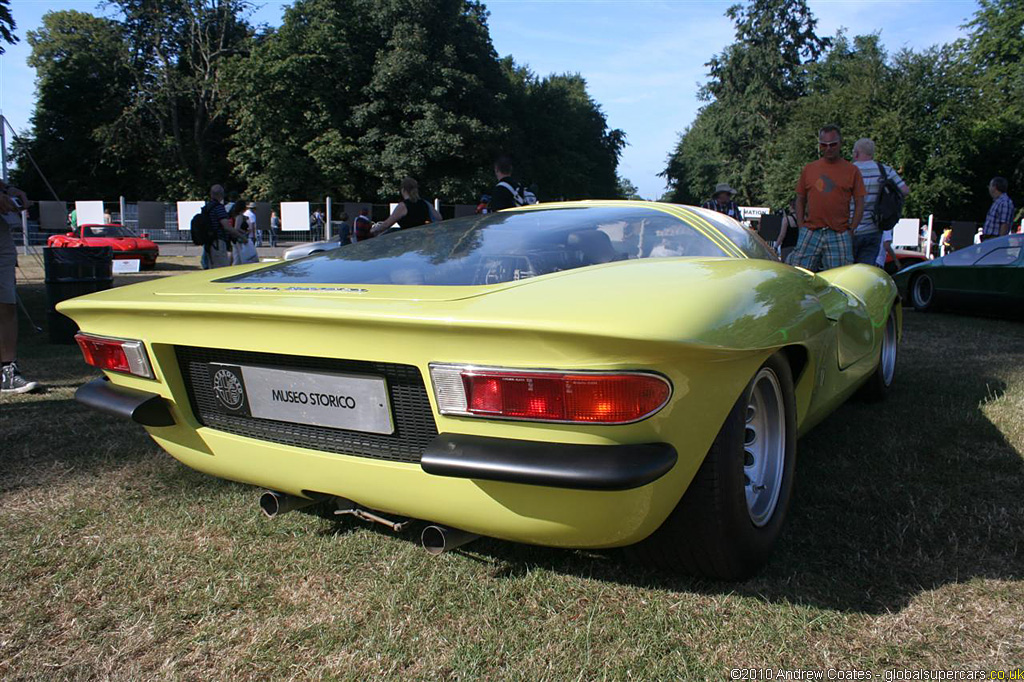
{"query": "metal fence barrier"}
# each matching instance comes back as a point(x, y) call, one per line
point(52, 218)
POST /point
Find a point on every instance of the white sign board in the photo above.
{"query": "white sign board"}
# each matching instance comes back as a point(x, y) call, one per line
point(751, 212)
point(187, 209)
point(295, 216)
point(89, 212)
point(124, 265)
point(906, 233)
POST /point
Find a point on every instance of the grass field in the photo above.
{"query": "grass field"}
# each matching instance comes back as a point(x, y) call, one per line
point(903, 549)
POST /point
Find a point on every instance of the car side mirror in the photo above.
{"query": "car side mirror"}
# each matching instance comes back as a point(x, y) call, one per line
point(145, 235)
point(70, 234)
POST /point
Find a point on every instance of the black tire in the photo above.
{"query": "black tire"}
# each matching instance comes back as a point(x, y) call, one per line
point(711, 532)
point(922, 292)
point(880, 381)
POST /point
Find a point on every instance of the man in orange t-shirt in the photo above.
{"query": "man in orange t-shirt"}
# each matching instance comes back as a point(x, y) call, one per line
point(823, 196)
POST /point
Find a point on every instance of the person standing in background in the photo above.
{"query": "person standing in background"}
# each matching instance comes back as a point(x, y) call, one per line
point(867, 235)
point(275, 227)
point(823, 195)
point(12, 202)
point(254, 230)
point(412, 212)
point(216, 254)
point(721, 201)
point(1000, 214)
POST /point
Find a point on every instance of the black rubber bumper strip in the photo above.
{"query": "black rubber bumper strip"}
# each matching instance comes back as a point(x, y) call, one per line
point(148, 409)
point(558, 465)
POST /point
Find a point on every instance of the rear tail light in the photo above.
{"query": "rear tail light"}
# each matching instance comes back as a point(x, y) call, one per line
point(548, 396)
point(116, 355)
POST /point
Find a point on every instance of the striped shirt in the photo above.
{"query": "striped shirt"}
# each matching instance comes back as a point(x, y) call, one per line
point(872, 183)
point(218, 213)
point(1001, 212)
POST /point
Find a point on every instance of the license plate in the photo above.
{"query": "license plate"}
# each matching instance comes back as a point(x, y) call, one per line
point(338, 401)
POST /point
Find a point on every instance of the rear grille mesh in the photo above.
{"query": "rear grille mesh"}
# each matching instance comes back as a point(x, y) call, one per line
point(410, 407)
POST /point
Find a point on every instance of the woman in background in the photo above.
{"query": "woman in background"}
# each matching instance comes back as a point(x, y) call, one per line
point(242, 251)
point(412, 212)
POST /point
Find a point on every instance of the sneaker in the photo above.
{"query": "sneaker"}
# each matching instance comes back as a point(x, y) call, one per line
point(11, 380)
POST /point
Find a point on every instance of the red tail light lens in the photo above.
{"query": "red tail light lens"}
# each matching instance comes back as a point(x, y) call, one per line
point(116, 355)
point(595, 398)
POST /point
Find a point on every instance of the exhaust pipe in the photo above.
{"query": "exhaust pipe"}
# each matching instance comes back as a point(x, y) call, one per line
point(273, 503)
point(440, 539)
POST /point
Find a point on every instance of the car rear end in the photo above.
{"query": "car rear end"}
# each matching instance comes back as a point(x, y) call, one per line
point(521, 376)
point(554, 478)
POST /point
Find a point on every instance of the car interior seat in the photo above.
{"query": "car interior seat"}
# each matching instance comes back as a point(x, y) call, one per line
point(594, 246)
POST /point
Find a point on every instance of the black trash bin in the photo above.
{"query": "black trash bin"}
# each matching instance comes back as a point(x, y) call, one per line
point(74, 272)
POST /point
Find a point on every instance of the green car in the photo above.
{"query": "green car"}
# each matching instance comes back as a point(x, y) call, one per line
point(986, 277)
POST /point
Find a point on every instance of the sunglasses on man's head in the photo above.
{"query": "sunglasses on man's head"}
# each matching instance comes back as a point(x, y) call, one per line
point(828, 145)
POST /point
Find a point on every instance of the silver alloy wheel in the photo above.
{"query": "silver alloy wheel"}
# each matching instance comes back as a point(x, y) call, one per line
point(923, 291)
point(889, 351)
point(764, 447)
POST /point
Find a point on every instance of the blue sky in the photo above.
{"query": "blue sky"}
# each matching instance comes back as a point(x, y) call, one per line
point(643, 59)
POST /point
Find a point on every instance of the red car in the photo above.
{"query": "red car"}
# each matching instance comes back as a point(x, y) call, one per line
point(907, 258)
point(125, 243)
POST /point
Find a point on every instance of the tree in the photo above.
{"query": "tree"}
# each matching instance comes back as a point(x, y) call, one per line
point(627, 190)
point(993, 59)
point(176, 116)
point(751, 88)
point(7, 25)
point(389, 88)
point(560, 137)
point(82, 75)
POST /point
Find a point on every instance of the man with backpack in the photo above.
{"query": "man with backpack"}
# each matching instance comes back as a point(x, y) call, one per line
point(883, 203)
point(212, 229)
point(508, 193)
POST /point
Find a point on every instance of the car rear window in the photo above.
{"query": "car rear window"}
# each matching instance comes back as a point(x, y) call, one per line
point(500, 247)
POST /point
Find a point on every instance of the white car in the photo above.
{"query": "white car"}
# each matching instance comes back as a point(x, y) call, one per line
point(303, 250)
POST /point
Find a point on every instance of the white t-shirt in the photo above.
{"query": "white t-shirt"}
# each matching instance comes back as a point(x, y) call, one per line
point(886, 237)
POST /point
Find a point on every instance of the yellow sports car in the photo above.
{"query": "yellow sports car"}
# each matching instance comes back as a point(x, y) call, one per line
point(589, 374)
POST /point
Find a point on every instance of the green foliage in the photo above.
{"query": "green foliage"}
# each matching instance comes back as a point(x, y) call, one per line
point(948, 118)
point(176, 115)
point(7, 25)
point(752, 85)
point(350, 96)
point(82, 74)
point(627, 190)
point(346, 98)
point(561, 137)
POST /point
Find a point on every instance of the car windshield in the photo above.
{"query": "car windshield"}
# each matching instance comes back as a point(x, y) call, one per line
point(500, 247)
point(107, 231)
point(747, 241)
point(973, 254)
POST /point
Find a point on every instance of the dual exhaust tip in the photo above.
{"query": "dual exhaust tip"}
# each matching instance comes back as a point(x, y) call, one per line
point(434, 538)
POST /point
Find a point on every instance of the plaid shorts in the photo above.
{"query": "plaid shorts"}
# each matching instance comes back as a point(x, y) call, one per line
point(822, 249)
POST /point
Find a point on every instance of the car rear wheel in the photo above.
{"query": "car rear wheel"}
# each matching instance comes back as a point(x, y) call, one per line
point(877, 386)
point(728, 521)
point(922, 293)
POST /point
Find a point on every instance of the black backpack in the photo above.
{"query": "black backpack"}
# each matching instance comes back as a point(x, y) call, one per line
point(889, 205)
point(202, 231)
